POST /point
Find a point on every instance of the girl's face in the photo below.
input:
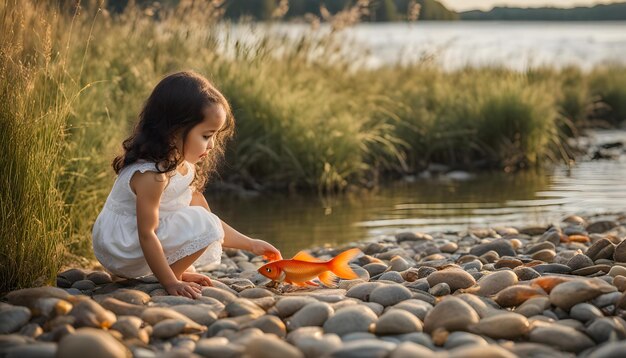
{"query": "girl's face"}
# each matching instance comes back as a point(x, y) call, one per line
point(201, 138)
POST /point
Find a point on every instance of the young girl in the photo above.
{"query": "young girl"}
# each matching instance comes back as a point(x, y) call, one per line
point(156, 219)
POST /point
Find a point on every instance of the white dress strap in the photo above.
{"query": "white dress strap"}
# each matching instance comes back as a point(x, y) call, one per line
point(141, 167)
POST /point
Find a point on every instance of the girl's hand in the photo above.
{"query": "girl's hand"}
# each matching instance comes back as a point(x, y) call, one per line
point(198, 278)
point(186, 289)
point(260, 247)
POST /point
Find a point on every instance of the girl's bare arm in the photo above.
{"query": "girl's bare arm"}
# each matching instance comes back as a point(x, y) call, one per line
point(148, 187)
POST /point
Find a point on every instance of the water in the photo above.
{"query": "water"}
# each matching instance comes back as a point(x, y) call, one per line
point(293, 223)
point(513, 44)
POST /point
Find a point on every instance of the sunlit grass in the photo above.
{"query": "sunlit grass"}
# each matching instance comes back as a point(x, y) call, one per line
point(308, 118)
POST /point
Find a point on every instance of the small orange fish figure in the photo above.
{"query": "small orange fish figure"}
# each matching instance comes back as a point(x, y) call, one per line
point(302, 268)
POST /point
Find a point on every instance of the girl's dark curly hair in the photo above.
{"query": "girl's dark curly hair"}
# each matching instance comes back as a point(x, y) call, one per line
point(175, 106)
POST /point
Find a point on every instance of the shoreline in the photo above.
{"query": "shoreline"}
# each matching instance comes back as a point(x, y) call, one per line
point(503, 291)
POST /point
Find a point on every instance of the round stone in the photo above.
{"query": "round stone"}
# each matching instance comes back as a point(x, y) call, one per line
point(480, 351)
point(458, 339)
point(168, 328)
point(516, 295)
point(620, 252)
point(122, 308)
point(620, 283)
point(609, 350)
point(313, 314)
point(473, 265)
point(398, 264)
point(269, 324)
point(130, 327)
point(12, 318)
point(591, 270)
point(545, 255)
point(440, 289)
point(455, 278)
point(131, 296)
point(526, 273)
point(601, 226)
point(201, 314)
point(287, 306)
point(268, 346)
point(315, 344)
point(493, 283)
point(617, 271)
point(449, 247)
point(607, 329)
point(410, 349)
point(356, 318)
point(255, 292)
point(502, 326)
point(579, 261)
point(73, 275)
point(562, 337)
point(217, 347)
point(99, 277)
point(393, 276)
point(88, 313)
point(97, 342)
point(546, 245)
point(84, 285)
point(552, 268)
point(502, 246)
point(154, 315)
point(221, 295)
point(244, 307)
point(601, 249)
point(397, 322)
point(585, 312)
point(416, 307)
point(425, 271)
point(364, 348)
point(482, 305)
point(36, 350)
point(534, 306)
point(375, 268)
point(363, 291)
point(567, 294)
point(389, 295)
point(451, 314)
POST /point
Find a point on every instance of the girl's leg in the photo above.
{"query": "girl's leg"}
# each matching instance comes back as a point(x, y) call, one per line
point(181, 267)
point(183, 264)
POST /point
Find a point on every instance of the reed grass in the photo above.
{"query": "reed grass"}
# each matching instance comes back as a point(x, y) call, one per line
point(309, 117)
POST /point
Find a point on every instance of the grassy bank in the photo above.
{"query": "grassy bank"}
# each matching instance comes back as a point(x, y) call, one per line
point(74, 80)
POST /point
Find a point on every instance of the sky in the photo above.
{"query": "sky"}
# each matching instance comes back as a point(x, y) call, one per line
point(464, 5)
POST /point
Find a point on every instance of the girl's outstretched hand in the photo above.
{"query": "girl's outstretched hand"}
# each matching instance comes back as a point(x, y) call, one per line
point(260, 247)
point(187, 289)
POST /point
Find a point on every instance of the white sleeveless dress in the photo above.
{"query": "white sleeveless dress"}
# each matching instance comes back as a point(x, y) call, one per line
point(182, 229)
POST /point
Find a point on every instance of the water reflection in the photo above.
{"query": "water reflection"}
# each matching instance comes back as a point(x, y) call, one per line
point(488, 199)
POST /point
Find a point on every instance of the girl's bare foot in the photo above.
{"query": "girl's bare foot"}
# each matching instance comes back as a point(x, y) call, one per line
point(197, 278)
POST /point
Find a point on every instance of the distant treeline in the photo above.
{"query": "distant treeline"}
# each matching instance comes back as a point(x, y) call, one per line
point(609, 12)
point(379, 10)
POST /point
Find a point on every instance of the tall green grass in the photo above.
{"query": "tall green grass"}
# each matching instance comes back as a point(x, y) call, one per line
point(308, 116)
point(34, 107)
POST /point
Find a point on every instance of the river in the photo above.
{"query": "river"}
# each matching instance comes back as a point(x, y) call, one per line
point(438, 204)
point(453, 44)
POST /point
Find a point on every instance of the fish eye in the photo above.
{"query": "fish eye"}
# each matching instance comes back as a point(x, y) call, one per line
point(268, 269)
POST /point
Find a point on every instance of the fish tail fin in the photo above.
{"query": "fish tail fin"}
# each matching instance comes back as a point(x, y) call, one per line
point(329, 279)
point(311, 283)
point(339, 265)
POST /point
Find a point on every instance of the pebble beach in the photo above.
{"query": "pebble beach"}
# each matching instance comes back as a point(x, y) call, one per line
point(553, 291)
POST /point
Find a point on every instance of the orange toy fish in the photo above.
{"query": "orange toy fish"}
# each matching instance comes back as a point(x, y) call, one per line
point(302, 268)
